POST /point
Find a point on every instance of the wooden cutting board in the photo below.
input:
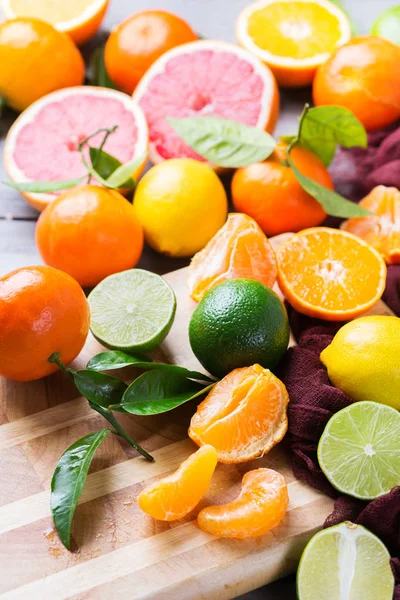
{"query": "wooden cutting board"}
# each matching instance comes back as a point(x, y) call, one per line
point(119, 551)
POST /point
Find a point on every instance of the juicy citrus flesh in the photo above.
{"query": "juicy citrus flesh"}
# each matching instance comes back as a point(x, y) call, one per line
point(243, 416)
point(359, 450)
point(345, 562)
point(178, 494)
point(382, 229)
point(260, 507)
point(238, 249)
point(330, 274)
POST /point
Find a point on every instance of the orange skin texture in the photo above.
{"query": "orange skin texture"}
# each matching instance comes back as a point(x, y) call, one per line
point(363, 76)
point(260, 507)
point(270, 193)
point(90, 232)
point(139, 40)
point(36, 59)
point(42, 311)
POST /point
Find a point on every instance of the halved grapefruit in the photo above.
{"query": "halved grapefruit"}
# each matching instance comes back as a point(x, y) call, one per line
point(42, 145)
point(204, 77)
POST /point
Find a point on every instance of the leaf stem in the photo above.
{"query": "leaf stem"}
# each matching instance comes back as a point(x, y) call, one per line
point(105, 130)
point(301, 121)
point(55, 358)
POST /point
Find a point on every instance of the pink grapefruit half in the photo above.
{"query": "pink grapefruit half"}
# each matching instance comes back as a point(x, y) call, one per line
point(205, 77)
point(42, 145)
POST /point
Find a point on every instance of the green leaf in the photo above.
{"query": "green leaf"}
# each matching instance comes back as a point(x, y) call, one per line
point(99, 75)
point(323, 127)
point(288, 139)
point(2, 105)
point(107, 165)
point(354, 28)
point(159, 391)
point(224, 142)
point(332, 203)
point(122, 176)
point(40, 187)
point(99, 388)
point(69, 480)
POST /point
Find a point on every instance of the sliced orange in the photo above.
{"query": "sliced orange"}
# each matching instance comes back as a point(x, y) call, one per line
point(381, 230)
point(243, 416)
point(330, 274)
point(175, 496)
point(238, 249)
point(79, 18)
point(260, 506)
point(293, 37)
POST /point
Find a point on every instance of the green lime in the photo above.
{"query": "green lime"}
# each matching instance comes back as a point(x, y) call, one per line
point(387, 25)
point(132, 311)
point(238, 323)
point(345, 562)
point(359, 450)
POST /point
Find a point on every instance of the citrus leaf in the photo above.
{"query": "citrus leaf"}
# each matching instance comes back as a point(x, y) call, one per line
point(40, 187)
point(334, 204)
point(323, 127)
point(224, 142)
point(115, 359)
point(122, 176)
point(69, 479)
point(99, 75)
point(99, 388)
point(106, 165)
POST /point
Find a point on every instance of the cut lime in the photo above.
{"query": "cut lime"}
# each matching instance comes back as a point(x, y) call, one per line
point(133, 310)
point(345, 562)
point(387, 25)
point(359, 450)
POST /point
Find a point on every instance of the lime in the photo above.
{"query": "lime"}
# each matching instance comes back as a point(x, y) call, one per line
point(345, 562)
point(238, 323)
point(387, 25)
point(359, 450)
point(132, 310)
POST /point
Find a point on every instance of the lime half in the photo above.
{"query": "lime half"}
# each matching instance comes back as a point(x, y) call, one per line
point(387, 25)
point(359, 450)
point(345, 562)
point(132, 311)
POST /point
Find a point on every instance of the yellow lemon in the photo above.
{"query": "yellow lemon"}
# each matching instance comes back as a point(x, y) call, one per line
point(181, 204)
point(363, 360)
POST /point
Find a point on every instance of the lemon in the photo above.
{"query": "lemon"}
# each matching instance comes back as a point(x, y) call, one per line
point(363, 360)
point(181, 204)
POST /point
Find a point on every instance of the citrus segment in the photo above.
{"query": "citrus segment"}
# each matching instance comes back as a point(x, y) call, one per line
point(293, 37)
point(243, 416)
point(330, 274)
point(382, 229)
point(238, 249)
point(204, 78)
point(42, 145)
point(260, 506)
point(175, 496)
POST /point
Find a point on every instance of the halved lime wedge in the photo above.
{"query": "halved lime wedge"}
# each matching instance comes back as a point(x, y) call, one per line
point(359, 450)
point(132, 310)
point(345, 562)
point(387, 25)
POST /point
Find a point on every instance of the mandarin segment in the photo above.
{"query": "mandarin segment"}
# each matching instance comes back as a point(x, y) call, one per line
point(260, 507)
point(243, 416)
point(175, 496)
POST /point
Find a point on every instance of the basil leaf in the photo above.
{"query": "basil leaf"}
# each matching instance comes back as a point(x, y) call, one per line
point(158, 391)
point(323, 127)
point(122, 176)
point(332, 203)
point(99, 75)
point(69, 480)
point(40, 187)
point(99, 388)
point(114, 359)
point(224, 142)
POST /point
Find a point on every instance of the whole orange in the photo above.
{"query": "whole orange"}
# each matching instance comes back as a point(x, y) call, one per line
point(36, 59)
point(363, 76)
point(90, 232)
point(42, 311)
point(270, 193)
point(139, 40)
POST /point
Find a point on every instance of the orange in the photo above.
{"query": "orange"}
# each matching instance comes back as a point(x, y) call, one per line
point(239, 249)
point(363, 76)
point(36, 59)
point(42, 311)
point(260, 506)
point(175, 496)
point(139, 40)
point(243, 416)
point(381, 230)
point(270, 193)
point(90, 232)
point(79, 18)
point(293, 37)
point(330, 274)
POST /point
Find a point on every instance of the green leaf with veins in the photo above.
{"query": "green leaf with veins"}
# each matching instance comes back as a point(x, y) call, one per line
point(107, 165)
point(44, 187)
